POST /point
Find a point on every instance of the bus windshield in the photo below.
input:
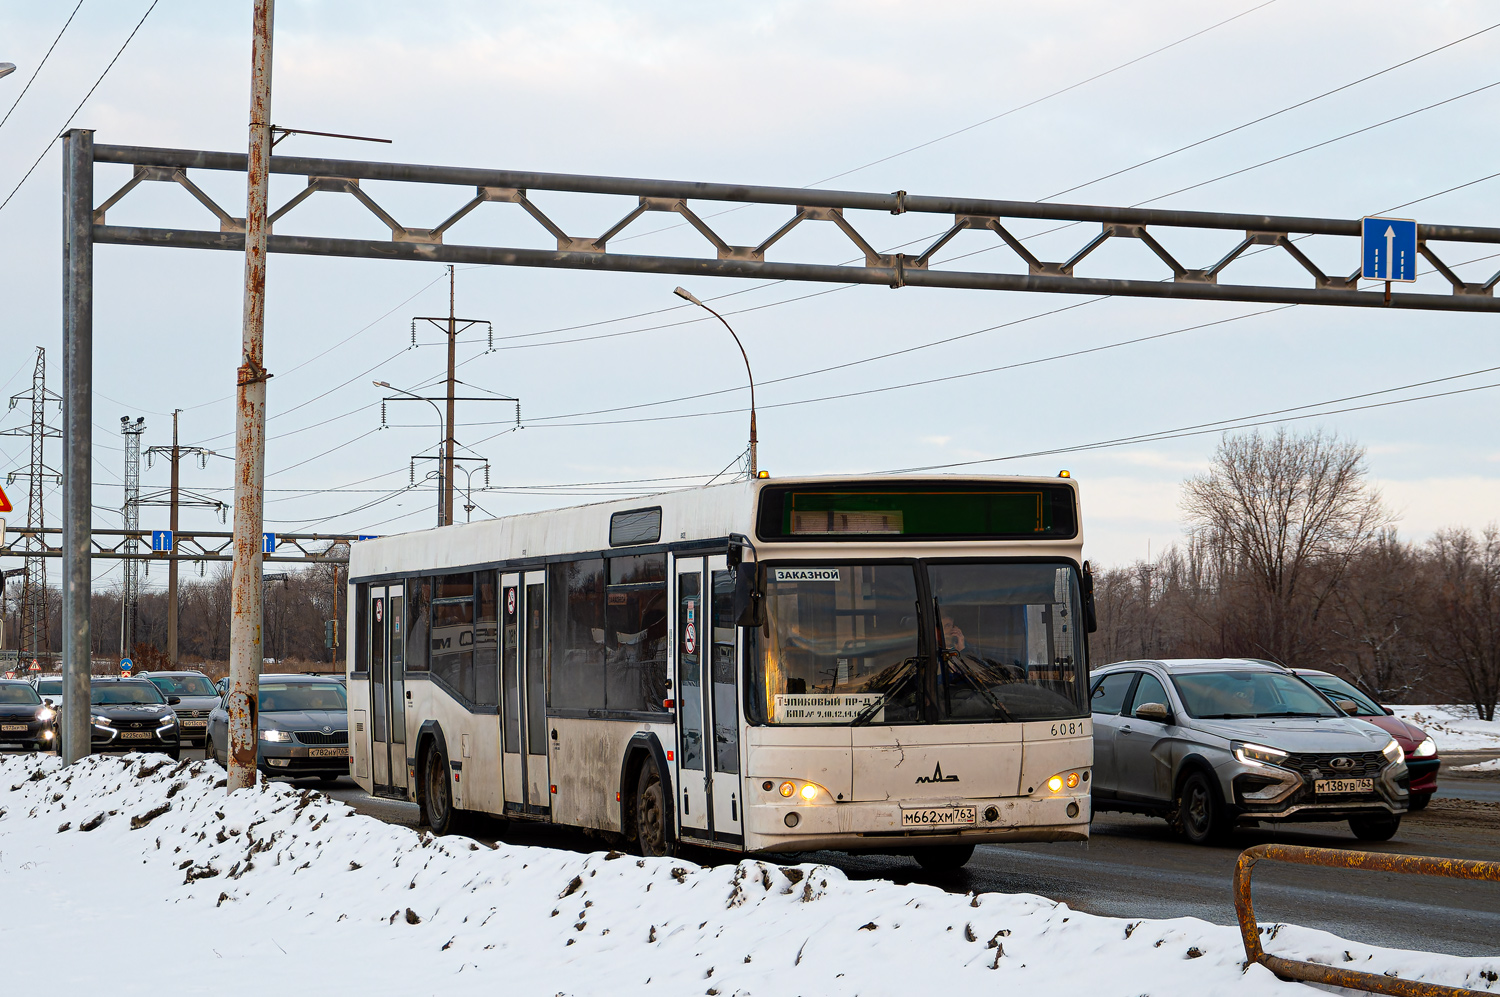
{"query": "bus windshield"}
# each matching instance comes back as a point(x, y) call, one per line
point(852, 643)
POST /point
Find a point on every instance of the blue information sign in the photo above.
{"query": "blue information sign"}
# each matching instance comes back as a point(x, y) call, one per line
point(126, 664)
point(268, 543)
point(161, 540)
point(1388, 249)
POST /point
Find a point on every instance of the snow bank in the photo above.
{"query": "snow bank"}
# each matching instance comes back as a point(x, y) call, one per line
point(1493, 765)
point(140, 875)
point(1454, 728)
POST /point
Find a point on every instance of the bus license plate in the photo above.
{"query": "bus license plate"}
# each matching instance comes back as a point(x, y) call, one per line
point(936, 816)
point(1334, 786)
point(327, 752)
point(136, 735)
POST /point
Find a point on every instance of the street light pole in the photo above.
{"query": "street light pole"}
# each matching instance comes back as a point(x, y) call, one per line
point(688, 296)
point(444, 518)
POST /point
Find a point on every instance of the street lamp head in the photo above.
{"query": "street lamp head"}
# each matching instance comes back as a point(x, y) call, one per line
point(6, 68)
point(381, 384)
point(686, 295)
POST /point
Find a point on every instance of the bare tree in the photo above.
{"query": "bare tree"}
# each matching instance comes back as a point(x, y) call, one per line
point(1465, 612)
point(1285, 515)
point(1378, 623)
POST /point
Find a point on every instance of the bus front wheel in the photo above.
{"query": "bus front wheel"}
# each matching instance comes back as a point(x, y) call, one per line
point(945, 858)
point(651, 834)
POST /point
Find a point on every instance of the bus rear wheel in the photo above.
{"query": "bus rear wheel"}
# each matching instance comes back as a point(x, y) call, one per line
point(441, 816)
point(652, 836)
point(945, 858)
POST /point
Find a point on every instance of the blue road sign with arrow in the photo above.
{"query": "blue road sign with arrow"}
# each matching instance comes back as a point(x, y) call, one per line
point(1388, 249)
point(161, 540)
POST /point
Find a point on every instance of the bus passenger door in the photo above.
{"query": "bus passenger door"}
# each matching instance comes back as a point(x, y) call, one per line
point(535, 781)
point(693, 807)
point(721, 700)
point(510, 692)
point(387, 618)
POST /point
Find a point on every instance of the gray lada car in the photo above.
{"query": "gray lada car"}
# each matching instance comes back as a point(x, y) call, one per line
point(196, 697)
point(1208, 744)
point(302, 728)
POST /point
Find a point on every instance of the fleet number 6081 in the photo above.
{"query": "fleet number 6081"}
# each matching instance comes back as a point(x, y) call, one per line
point(1068, 728)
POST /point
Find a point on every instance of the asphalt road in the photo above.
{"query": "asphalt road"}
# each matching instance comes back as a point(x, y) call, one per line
point(1134, 867)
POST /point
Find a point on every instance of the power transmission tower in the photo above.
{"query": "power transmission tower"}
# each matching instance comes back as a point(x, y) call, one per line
point(450, 325)
point(132, 515)
point(38, 473)
point(173, 497)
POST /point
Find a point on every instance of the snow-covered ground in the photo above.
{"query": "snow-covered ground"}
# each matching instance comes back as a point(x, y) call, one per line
point(138, 875)
point(1491, 765)
point(1454, 728)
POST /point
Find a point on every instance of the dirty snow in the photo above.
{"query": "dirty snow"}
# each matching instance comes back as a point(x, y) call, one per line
point(1492, 765)
point(140, 875)
point(1454, 728)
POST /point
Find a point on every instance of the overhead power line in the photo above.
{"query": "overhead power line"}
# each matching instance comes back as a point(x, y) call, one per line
point(38, 71)
point(80, 104)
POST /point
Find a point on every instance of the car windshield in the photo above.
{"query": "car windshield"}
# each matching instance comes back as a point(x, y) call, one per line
point(125, 694)
point(1336, 688)
point(49, 687)
point(291, 697)
point(847, 644)
point(1249, 694)
point(183, 685)
point(18, 695)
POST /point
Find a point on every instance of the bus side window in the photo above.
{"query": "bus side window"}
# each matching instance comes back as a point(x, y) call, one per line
point(726, 704)
point(361, 628)
point(486, 665)
point(577, 623)
point(418, 617)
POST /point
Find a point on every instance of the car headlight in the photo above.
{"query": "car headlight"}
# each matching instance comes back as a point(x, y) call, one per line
point(101, 721)
point(170, 718)
point(1425, 750)
point(1258, 754)
point(275, 735)
point(46, 713)
point(1393, 752)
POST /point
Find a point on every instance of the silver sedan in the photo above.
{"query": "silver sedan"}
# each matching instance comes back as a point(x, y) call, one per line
point(302, 728)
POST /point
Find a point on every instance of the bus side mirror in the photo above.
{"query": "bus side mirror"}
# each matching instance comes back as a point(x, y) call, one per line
point(1090, 613)
point(750, 595)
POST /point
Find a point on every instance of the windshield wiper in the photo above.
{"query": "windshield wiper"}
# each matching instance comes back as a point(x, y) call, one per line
point(867, 714)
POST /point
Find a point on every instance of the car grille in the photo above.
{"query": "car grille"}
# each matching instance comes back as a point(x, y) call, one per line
point(137, 724)
point(318, 737)
point(193, 714)
point(1367, 764)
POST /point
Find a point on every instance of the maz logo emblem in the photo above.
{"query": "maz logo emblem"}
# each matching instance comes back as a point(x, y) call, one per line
point(937, 776)
point(1343, 763)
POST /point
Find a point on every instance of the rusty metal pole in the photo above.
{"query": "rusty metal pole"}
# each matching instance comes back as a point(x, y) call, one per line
point(247, 589)
point(448, 443)
point(78, 430)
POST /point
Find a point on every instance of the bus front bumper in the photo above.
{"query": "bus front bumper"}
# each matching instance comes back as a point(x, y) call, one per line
point(880, 826)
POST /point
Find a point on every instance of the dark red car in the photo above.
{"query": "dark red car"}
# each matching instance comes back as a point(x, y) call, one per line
point(1421, 753)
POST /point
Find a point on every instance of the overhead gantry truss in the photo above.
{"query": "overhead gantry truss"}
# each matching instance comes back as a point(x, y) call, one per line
point(808, 205)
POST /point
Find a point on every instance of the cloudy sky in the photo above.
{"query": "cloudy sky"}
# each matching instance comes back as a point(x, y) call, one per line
point(1001, 100)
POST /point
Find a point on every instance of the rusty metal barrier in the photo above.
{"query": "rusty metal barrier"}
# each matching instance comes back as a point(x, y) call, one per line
point(1336, 858)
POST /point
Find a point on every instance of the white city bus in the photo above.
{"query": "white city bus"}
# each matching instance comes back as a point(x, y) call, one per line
point(878, 664)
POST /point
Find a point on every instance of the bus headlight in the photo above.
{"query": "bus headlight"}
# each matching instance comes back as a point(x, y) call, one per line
point(809, 792)
point(1064, 780)
point(796, 791)
point(788, 788)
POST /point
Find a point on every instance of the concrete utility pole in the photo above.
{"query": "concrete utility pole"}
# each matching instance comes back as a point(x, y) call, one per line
point(247, 596)
point(131, 511)
point(174, 501)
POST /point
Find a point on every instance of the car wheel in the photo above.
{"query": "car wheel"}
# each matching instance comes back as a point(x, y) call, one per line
point(1419, 801)
point(1200, 816)
point(441, 815)
point(1375, 828)
point(652, 836)
point(945, 858)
